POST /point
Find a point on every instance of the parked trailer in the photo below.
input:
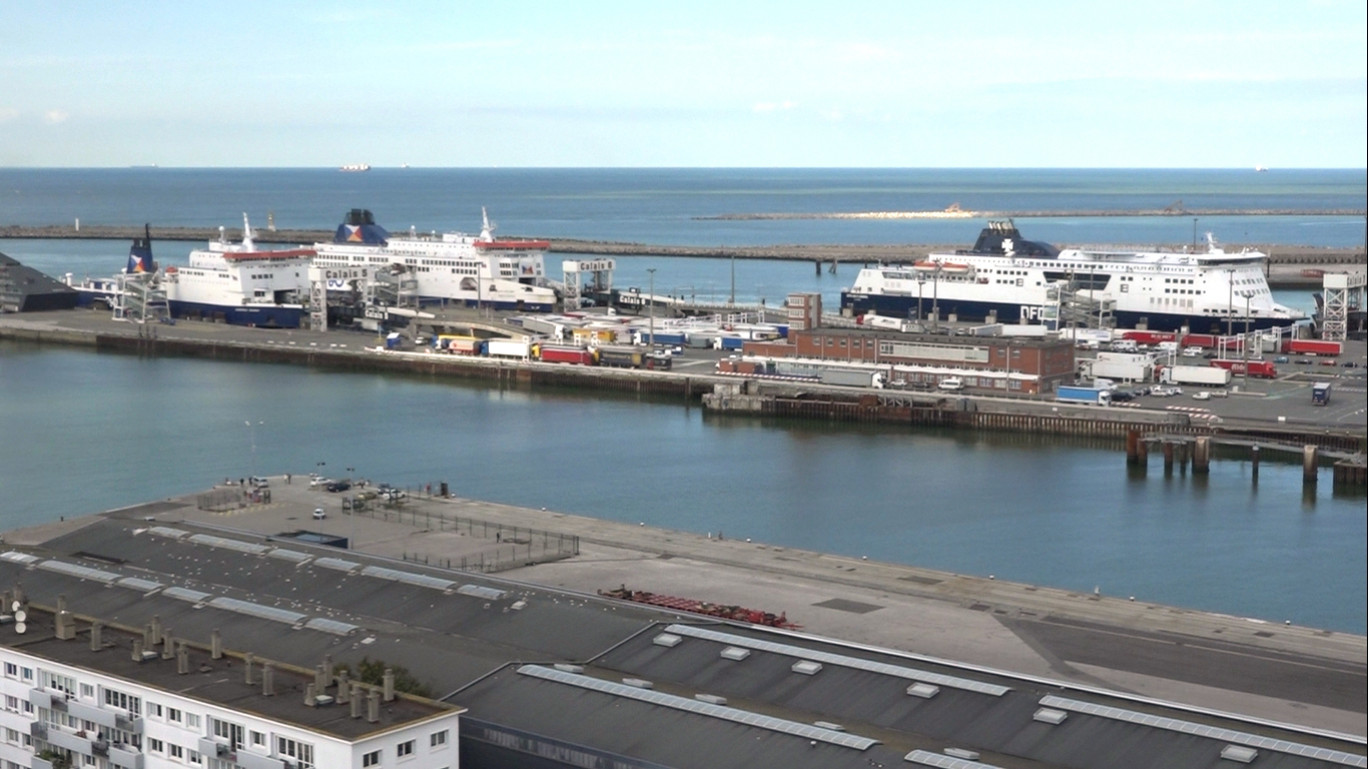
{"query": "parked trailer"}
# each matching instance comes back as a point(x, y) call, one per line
point(1256, 368)
point(1132, 367)
point(1076, 394)
point(555, 354)
point(460, 345)
point(623, 357)
point(1312, 347)
point(1150, 338)
point(509, 348)
point(851, 377)
point(1320, 394)
point(1198, 375)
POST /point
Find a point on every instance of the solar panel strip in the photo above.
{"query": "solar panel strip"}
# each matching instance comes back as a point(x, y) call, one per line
point(185, 594)
point(288, 555)
point(789, 650)
point(137, 583)
point(1205, 730)
point(18, 557)
point(331, 626)
point(941, 761)
point(794, 728)
point(337, 563)
point(76, 570)
point(229, 544)
point(167, 531)
point(408, 577)
point(479, 591)
point(258, 610)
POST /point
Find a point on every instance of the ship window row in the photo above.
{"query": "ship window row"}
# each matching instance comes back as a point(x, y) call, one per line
point(1181, 291)
point(262, 276)
point(1188, 281)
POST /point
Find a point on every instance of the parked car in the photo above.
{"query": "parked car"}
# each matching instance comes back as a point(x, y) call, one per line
point(1202, 395)
point(318, 514)
point(1280, 359)
point(338, 486)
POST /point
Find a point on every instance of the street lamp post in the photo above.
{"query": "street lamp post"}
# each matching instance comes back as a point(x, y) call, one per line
point(650, 271)
point(935, 300)
point(921, 281)
point(1230, 302)
point(251, 433)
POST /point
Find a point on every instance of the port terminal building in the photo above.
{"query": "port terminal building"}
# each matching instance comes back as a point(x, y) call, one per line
point(143, 644)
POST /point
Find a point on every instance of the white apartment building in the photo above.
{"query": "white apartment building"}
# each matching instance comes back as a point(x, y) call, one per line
point(106, 699)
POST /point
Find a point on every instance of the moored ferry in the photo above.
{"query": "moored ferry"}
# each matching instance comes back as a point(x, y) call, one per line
point(474, 270)
point(239, 284)
point(1017, 280)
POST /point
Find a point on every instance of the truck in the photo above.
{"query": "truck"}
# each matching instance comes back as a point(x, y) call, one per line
point(509, 348)
point(1131, 367)
point(850, 377)
point(1311, 347)
point(1261, 369)
point(562, 354)
point(1197, 375)
point(1320, 394)
point(1100, 396)
point(1150, 338)
point(623, 357)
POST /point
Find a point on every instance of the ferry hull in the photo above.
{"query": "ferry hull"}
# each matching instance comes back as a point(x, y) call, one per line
point(1007, 312)
point(261, 316)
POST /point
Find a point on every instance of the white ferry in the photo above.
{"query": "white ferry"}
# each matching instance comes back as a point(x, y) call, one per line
point(354, 167)
point(474, 270)
point(238, 284)
point(1015, 279)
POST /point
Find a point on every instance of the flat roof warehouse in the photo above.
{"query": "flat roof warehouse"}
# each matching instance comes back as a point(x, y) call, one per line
point(551, 678)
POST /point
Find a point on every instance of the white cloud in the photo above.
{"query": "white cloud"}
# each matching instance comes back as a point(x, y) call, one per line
point(55, 116)
point(773, 106)
point(8, 113)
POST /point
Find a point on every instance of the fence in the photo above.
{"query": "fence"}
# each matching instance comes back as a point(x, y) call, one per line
point(513, 546)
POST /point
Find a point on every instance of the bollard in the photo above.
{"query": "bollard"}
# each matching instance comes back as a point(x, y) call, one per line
point(1310, 458)
point(1254, 460)
point(1201, 455)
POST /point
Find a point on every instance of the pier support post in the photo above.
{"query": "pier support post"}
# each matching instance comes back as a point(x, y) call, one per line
point(1168, 457)
point(1254, 460)
point(1142, 454)
point(1132, 447)
point(1201, 455)
point(1310, 459)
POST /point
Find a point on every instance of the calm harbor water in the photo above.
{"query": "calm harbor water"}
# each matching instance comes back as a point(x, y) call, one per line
point(82, 432)
point(86, 432)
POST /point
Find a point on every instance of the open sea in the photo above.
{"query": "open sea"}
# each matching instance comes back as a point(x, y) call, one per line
point(82, 432)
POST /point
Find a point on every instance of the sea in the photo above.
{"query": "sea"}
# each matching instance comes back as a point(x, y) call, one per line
point(82, 432)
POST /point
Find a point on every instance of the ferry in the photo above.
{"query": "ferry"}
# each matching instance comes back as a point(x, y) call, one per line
point(1016, 280)
point(239, 284)
point(135, 294)
point(472, 270)
point(354, 167)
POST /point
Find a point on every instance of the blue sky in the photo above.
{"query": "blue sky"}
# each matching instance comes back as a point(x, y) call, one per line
point(584, 83)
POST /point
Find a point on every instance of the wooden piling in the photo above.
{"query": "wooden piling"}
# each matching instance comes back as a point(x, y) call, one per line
point(1254, 460)
point(1310, 459)
point(1168, 456)
point(1132, 447)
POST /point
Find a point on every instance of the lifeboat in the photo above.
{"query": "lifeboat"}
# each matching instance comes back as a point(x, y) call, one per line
point(950, 267)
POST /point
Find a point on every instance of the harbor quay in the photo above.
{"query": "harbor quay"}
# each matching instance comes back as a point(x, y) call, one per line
point(1259, 668)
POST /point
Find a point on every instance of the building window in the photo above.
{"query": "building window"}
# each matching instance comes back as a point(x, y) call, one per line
point(405, 749)
point(88, 691)
point(11, 669)
point(173, 715)
point(192, 721)
point(258, 739)
point(438, 739)
point(155, 745)
point(302, 752)
point(177, 752)
point(154, 710)
point(371, 759)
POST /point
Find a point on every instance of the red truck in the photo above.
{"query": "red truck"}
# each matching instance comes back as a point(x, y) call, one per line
point(578, 355)
point(1261, 369)
point(1150, 338)
point(1311, 347)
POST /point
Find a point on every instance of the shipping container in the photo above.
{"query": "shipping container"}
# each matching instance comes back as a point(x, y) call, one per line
point(1320, 394)
point(622, 357)
point(1150, 338)
point(850, 377)
point(1131, 367)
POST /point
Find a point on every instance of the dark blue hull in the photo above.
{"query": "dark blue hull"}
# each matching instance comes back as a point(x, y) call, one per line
point(262, 316)
point(906, 307)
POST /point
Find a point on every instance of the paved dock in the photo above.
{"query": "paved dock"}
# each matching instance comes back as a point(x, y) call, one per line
point(1258, 667)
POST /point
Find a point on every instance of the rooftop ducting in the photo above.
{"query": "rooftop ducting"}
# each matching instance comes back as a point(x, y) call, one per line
point(216, 644)
point(373, 706)
point(95, 641)
point(389, 684)
point(267, 680)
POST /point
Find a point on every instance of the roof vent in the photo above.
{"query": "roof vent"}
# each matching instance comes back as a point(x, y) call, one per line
point(1240, 753)
point(829, 725)
point(735, 653)
point(668, 640)
point(967, 755)
point(639, 683)
point(566, 668)
point(806, 667)
point(925, 691)
point(1050, 716)
point(711, 699)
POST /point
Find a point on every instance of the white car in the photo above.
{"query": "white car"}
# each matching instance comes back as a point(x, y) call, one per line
point(318, 514)
point(1201, 396)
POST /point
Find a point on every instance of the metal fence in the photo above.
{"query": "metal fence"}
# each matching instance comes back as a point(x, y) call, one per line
point(507, 547)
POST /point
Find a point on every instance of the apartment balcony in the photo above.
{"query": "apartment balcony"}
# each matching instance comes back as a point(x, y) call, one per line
point(125, 756)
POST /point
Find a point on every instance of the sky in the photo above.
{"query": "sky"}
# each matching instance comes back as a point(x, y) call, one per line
point(581, 83)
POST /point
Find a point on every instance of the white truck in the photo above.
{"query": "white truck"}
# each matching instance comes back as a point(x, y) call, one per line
point(1196, 375)
point(1122, 366)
